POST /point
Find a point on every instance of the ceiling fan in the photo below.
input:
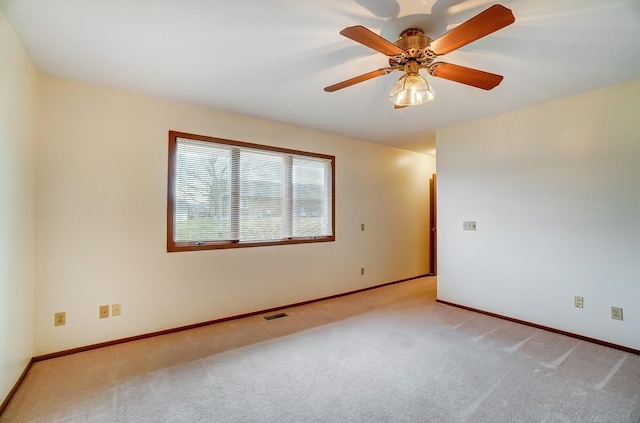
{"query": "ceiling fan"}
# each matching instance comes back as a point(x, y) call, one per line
point(414, 51)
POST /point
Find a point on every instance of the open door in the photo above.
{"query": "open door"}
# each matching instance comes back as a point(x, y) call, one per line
point(433, 251)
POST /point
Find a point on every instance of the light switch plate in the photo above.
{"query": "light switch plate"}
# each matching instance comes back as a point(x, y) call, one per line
point(469, 225)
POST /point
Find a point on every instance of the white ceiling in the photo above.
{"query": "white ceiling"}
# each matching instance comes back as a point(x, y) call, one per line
point(272, 59)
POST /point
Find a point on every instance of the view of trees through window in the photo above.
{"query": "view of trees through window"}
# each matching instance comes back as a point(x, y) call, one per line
point(225, 192)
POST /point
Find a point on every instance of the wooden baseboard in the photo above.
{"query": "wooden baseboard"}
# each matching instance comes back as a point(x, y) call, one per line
point(547, 328)
point(207, 323)
point(13, 390)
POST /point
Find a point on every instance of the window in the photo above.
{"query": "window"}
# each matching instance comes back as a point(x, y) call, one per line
point(229, 194)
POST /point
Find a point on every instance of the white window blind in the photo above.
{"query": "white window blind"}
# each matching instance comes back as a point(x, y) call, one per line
point(311, 197)
point(262, 190)
point(203, 192)
point(238, 193)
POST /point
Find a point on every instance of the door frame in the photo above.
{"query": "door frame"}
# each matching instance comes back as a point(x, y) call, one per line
point(433, 219)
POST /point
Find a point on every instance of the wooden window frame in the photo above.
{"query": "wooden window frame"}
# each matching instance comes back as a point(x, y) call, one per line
point(172, 246)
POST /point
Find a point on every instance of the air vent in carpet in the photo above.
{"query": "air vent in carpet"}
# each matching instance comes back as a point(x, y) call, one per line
point(275, 316)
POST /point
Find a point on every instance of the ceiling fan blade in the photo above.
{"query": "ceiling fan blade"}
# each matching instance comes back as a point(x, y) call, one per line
point(399, 107)
point(475, 78)
point(357, 79)
point(370, 39)
point(494, 18)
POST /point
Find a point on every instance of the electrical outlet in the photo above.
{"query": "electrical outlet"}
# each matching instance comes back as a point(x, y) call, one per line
point(578, 301)
point(468, 226)
point(104, 311)
point(361, 271)
point(116, 309)
point(616, 313)
point(60, 318)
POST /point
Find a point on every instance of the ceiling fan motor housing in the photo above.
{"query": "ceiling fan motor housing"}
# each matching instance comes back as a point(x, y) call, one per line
point(415, 46)
point(413, 39)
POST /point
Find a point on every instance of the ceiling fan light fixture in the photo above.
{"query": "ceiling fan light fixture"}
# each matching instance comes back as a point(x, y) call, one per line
point(411, 90)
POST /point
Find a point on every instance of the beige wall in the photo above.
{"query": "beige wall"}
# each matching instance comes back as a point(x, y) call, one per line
point(18, 101)
point(555, 191)
point(101, 213)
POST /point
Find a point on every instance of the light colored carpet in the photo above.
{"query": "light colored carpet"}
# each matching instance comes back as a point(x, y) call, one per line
point(388, 355)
